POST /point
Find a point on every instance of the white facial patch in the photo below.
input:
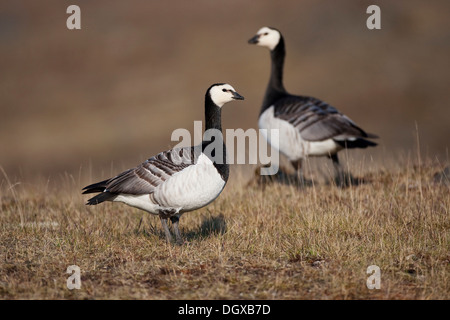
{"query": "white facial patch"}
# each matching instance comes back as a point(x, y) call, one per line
point(222, 94)
point(268, 38)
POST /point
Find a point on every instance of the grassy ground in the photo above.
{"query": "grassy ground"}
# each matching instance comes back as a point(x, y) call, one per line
point(276, 242)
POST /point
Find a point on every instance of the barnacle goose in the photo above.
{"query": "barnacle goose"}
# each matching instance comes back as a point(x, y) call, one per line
point(308, 126)
point(177, 180)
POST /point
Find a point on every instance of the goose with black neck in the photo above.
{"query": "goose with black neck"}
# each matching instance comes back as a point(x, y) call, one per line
point(307, 126)
point(178, 180)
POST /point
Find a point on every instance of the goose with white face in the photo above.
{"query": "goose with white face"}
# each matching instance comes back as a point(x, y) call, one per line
point(266, 37)
point(177, 180)
point(223, 93)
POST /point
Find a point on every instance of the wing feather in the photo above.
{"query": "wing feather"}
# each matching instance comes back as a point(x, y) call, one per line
point(153, 172)
point(316, 120)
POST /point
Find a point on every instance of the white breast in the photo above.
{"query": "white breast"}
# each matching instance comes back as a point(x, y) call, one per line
point(291, 143)
point(190, 189)
point(187, 190)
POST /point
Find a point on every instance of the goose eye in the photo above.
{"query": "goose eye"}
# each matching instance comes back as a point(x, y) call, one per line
point(224, 90)
point(266, 33)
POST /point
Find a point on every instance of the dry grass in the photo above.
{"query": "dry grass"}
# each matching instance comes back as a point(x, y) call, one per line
point(276, 243)
point(138, 70)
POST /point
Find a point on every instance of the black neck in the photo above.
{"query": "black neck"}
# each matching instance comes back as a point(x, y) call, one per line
point(213, 120)
point(275, 88)
point(213, 117)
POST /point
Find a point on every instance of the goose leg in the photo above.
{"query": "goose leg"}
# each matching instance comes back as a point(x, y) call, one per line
point(341, 177)
point(175, 221)
point(297, 164)
point(166, 229)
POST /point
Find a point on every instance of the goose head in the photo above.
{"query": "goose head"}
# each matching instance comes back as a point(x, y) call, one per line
point(266, 37)
point(222, 93)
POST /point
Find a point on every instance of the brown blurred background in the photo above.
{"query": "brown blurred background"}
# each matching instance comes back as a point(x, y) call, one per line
point(110, 94)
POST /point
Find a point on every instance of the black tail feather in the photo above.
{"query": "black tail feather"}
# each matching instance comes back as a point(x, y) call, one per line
point(358, 143)
point(96, 187)
point(371, 136)
point(104, 196)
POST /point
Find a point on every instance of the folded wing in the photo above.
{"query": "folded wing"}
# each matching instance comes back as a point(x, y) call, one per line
point(150, 174)
point(317, 120)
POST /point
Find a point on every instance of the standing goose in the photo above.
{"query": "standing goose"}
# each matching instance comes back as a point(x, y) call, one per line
point(177, 180)
point(308, 126)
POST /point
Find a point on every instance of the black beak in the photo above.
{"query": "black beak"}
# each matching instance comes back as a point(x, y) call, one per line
point(254, 40)
point(237, 96)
